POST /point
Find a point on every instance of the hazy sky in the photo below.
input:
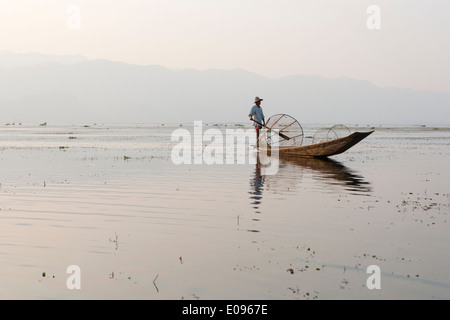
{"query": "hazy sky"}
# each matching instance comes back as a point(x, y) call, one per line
point(274, 38)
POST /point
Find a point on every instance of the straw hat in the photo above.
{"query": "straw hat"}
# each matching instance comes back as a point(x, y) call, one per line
point(257, 99)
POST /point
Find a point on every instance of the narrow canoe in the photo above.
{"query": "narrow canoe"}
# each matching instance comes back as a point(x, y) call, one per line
point(326, 148)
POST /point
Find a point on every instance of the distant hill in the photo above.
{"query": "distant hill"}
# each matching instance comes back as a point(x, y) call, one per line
point(9, 59)
point(101, 91)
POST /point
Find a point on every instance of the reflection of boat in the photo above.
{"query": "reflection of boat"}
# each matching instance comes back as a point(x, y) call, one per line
point(324, 149)
point(299, 175)
point(331, 171)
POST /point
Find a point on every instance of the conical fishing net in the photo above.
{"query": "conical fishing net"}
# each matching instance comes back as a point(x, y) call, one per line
point(327, 134)
point(282, 130)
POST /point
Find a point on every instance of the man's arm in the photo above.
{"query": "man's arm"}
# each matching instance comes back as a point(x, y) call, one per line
point(252, 112)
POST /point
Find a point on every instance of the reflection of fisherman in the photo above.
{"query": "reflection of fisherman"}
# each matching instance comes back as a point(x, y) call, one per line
point(256, 114)
point(257, 183)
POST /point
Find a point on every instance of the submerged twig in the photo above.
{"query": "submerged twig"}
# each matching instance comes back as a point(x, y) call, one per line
point(154, 283)
point(116, 241)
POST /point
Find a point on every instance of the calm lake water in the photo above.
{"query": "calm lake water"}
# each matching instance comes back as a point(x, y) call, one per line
point(109, 199)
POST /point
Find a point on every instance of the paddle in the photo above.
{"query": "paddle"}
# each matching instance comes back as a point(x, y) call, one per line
point(285, 137)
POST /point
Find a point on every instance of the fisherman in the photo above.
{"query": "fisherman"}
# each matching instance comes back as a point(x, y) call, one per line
point(256, 114)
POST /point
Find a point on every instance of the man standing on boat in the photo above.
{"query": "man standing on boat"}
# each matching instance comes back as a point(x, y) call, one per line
point(256, 114)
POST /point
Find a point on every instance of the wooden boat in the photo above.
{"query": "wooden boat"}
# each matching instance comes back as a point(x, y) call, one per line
point(323, 149)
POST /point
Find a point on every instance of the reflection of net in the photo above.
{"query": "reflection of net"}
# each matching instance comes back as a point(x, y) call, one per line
point(327, 134)
point(286, 126)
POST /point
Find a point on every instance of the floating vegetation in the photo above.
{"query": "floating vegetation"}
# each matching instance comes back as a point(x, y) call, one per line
point(115, 241)
point(424, 207)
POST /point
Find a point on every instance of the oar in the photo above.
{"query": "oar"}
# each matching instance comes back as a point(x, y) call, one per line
point(285, 137)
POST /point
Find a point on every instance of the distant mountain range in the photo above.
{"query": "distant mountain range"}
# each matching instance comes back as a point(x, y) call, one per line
point(9, 59)
point(74, 90)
